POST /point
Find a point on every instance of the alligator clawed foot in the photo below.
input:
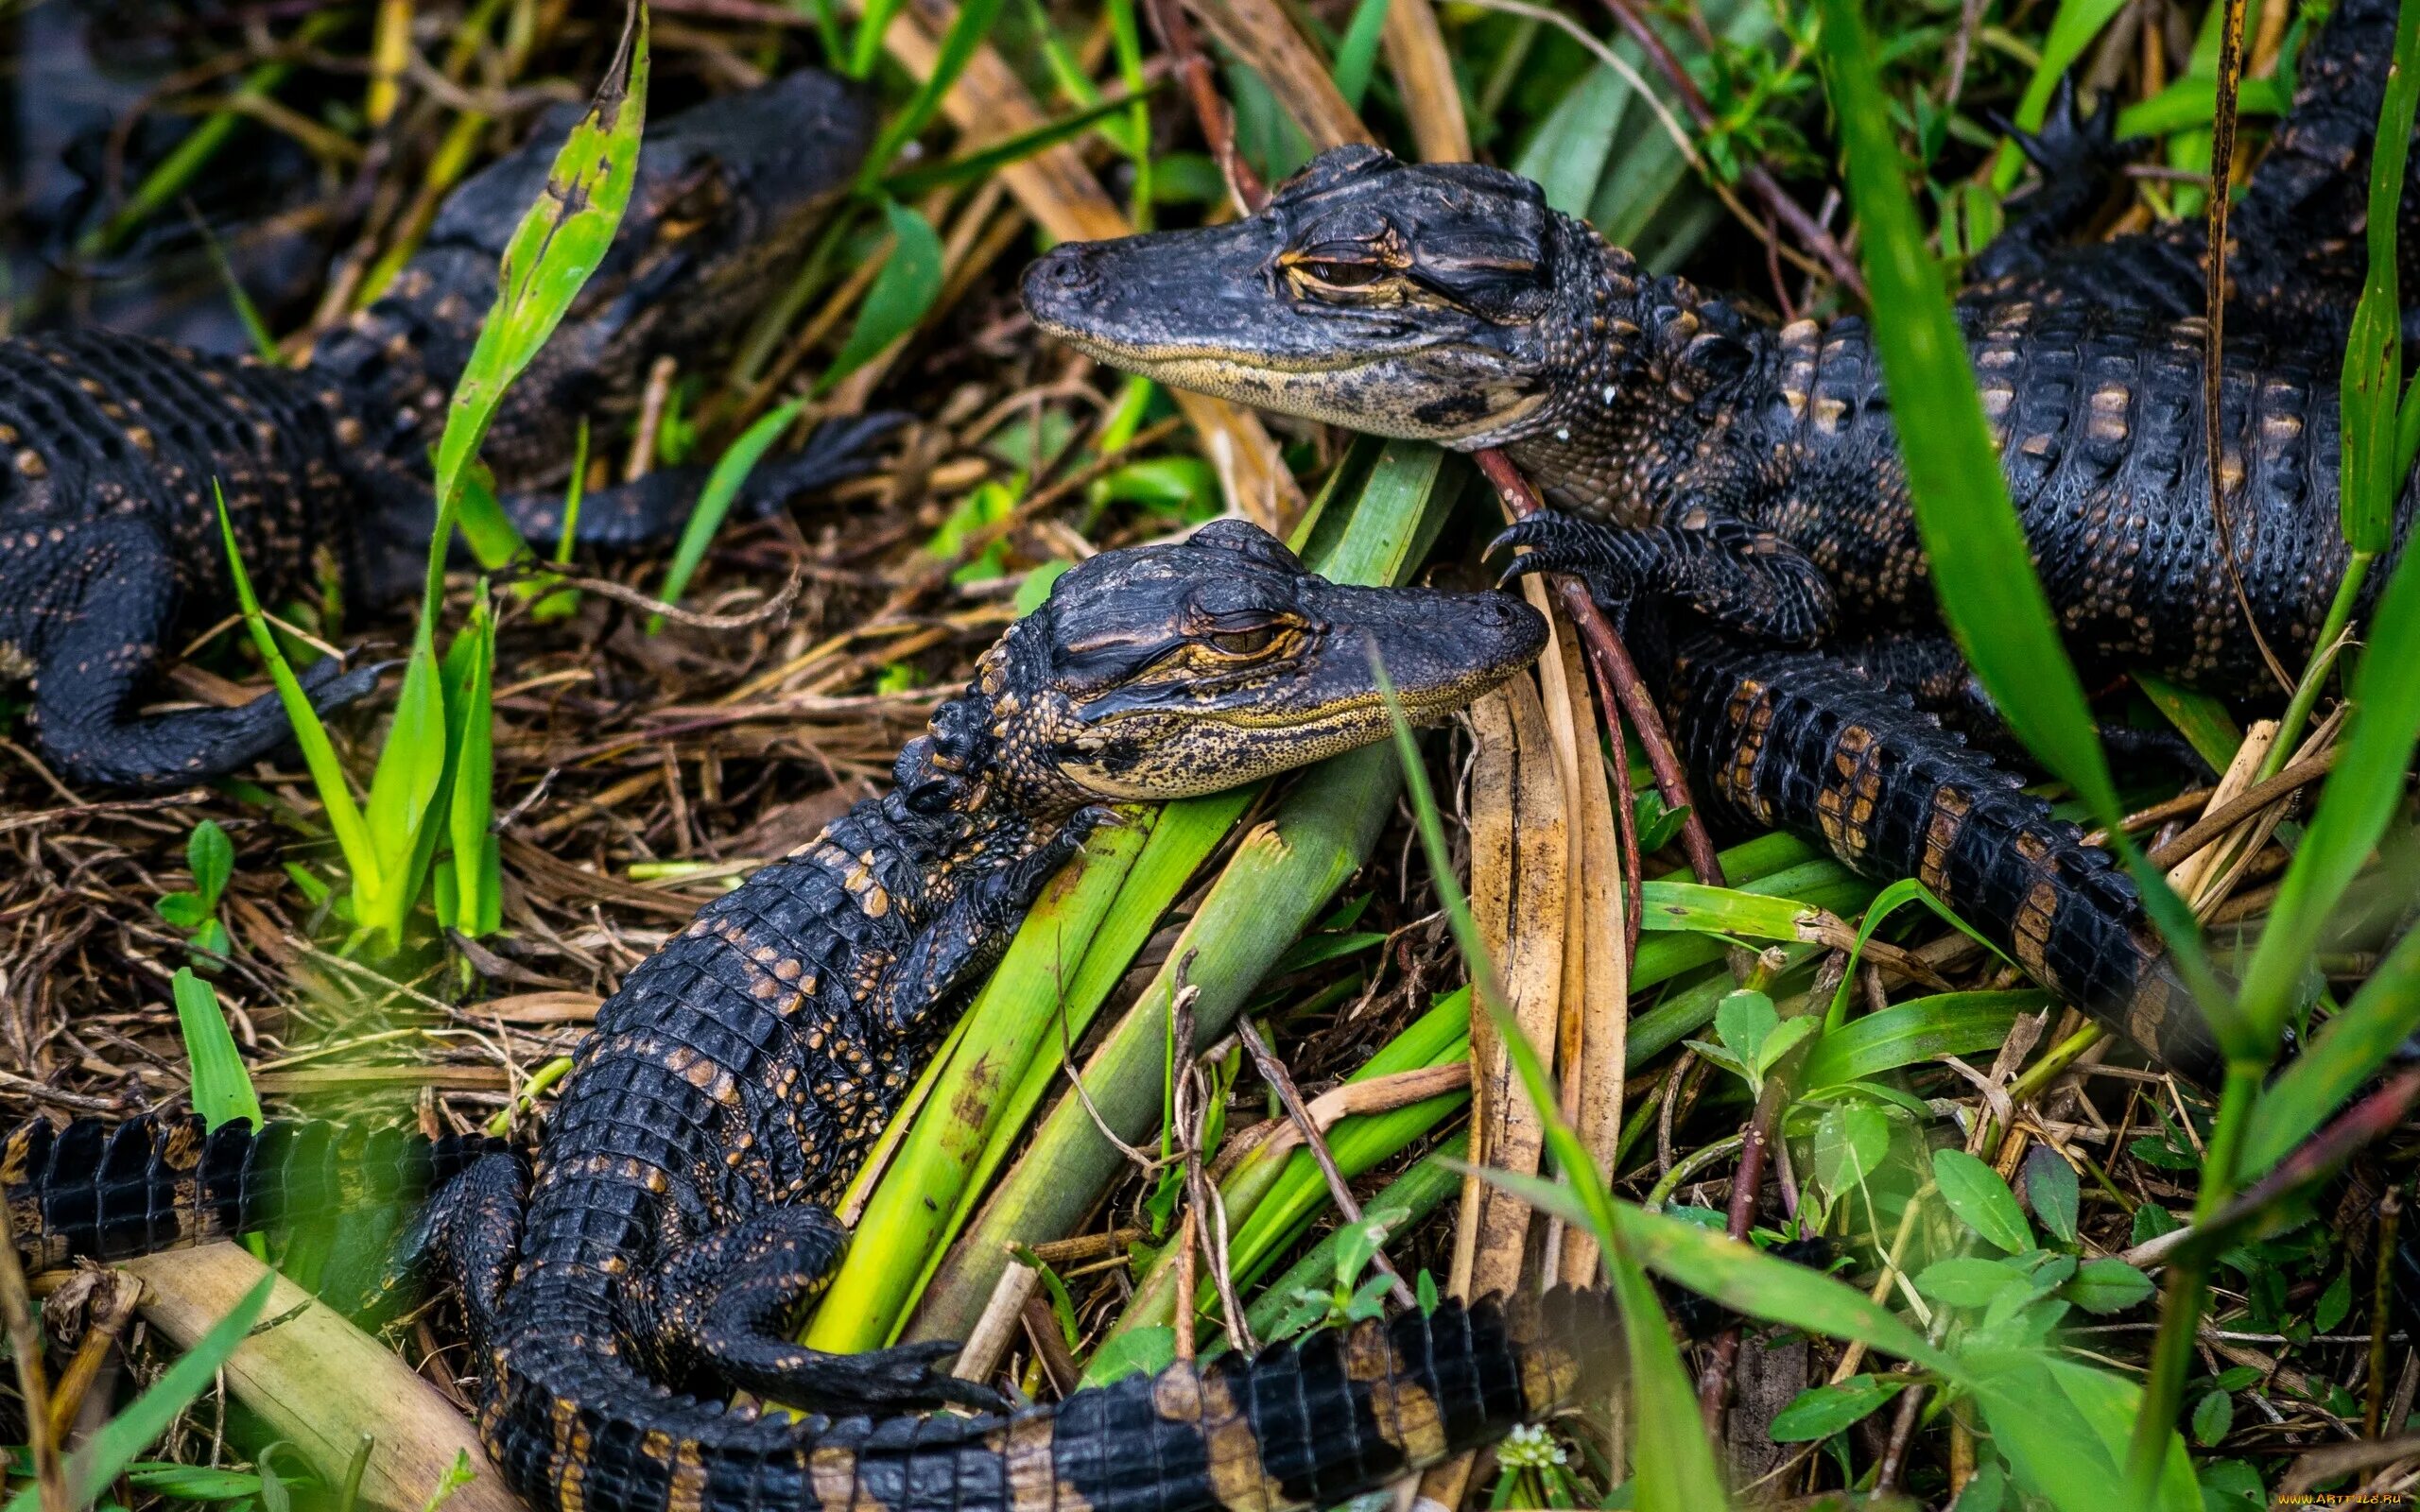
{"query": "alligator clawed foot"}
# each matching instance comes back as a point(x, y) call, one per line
point(834, 450)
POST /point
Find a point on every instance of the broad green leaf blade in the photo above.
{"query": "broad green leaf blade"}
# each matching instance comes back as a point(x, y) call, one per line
point(2107, 1285)
point(1357, 57)
point(1976, 1193)
point(908, 283)
point(714, 500)
point(211, 856)
point(1962, 1281)
point(2051, 1187)
point(478, 908)
point(222, 1090)
point(1825, 1410)
point(106, 1454)
point(1920, 1029)
point(2063, 1428)
point(411, 767)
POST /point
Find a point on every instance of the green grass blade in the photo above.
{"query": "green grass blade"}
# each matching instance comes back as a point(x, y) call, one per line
point(1910, 1033)
point(968, 28)
point(908, 183)
point(1357, 57)
point(105, 1455)
point(714, 502)
point(2361, 795)
point(2355, 1046)
point(2374, 353)
point(1996, 608)
point(906, 288)
point(561, 241)
point(310, 734)
point(477, 907)
point(222, 1090)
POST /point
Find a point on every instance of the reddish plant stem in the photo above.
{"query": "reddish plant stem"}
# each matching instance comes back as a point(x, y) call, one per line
point(1752, 178)
point(1618, 679)
point(1209, 107)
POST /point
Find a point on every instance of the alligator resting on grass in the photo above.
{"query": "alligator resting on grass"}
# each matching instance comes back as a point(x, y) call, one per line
point(676, 1216)
point(110, 547)
point(1729, 487)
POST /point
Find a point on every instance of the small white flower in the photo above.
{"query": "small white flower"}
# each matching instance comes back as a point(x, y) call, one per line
point(1528, 1448)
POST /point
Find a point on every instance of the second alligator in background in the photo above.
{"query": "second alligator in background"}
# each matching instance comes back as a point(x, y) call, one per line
point(109, 444)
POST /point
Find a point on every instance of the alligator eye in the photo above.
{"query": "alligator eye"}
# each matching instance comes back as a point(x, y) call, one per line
point(1343, 275)
point(1245, 643)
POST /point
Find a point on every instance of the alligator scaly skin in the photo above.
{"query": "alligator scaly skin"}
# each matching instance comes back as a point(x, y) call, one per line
point(1800, 741)
point(678, 1211)
point(110, 444)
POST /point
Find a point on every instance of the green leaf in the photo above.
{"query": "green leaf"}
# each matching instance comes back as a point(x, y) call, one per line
point(2334, 1303)
point(222, 1090)
point(1137, 1351)
point(2212, 1416)
point(476, 871)
point(2108, 1285)
point(2063, 1428)
point(2348, 1052)
point(1851, 1141)
point(184, 909)
point(1699, 909)
point(1743, 1020)
point(968, 27)
point(2360, 796)
point(2373, 470)
point(1827, 1409)
point(908, 283)
point(105, 1455)
point(714, 501)
point(1986, 1491)
point(1036, 586)
point(1786, 1036)
point(1913, 1032)
point(2051, 1187)
point(211, 856)
point(1966, 1282)
point(1976, 1193)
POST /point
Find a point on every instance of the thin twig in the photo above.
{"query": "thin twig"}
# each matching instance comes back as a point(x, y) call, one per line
point(1201, 86)
point(772, 609)
point(1274, 1071)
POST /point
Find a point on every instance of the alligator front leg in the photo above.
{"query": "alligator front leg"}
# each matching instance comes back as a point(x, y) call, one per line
point(468, 1234)
point(1741, 577)
point(714, 1312)
point(105, 598)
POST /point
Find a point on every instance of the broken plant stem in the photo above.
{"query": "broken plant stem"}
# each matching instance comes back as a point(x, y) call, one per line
point(2326, 650)
point(24, 1343)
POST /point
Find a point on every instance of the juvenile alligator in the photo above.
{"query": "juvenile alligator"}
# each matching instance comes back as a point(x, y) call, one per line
point(678, 1211)
point(1748, 472)
point(109, 444)
point(1751, 475)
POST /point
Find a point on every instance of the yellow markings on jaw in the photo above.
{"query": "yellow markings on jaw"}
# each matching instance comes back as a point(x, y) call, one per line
point(1228, 1447)
point(1407, 1415)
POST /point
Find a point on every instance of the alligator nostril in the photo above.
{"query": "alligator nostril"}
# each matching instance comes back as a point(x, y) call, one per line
point(1067, 273)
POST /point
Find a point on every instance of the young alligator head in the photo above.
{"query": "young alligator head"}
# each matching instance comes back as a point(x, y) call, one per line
point(1444, 302)
point(1165, 672)
point(729, 195)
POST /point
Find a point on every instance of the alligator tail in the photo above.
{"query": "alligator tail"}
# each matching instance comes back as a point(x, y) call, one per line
point(100, 1190)
point(1302, 1425)
point(1801, 742)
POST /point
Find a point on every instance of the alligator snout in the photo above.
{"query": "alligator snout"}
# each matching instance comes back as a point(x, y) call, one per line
point(1061, 276)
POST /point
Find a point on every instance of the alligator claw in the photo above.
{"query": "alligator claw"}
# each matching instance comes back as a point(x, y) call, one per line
point(330, 684)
